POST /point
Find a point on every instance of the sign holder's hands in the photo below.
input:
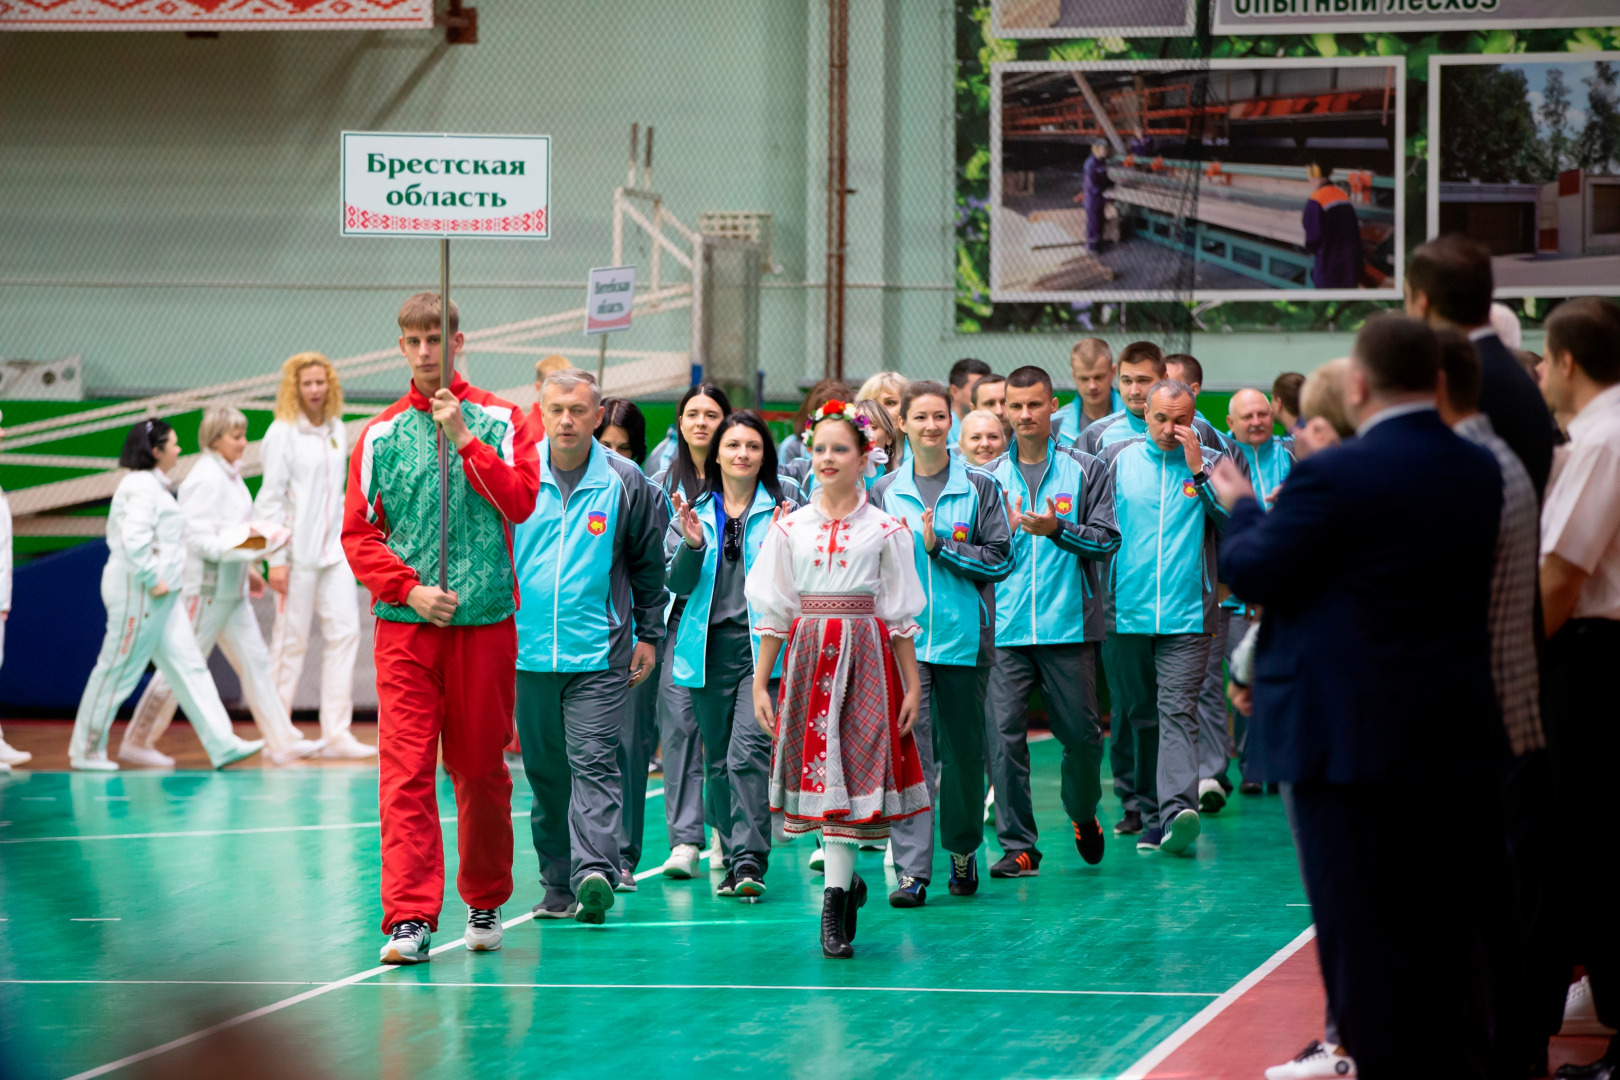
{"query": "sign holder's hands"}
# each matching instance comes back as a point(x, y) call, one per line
point(447, 414)
point(1191, 447)
point(691, 526)
point(1041, 524)
point(643, 659)
point(1230, 484)
point(929, 538)
point(437, 606)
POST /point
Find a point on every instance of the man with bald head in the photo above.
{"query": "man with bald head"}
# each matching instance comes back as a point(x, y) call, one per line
point(1161, 611)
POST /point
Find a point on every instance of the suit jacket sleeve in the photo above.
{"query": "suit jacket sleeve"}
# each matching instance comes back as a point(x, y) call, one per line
point(1275, 558)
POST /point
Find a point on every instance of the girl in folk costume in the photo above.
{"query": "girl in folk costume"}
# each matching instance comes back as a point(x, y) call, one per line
point(837, 582)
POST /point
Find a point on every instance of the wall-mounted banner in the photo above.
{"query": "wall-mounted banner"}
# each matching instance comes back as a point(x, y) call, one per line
point(446, 185)
point(610, 293)
point(212, 15)
point(1246, 17)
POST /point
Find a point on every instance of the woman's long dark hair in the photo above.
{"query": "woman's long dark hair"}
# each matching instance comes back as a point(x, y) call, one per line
point(142, 443)
point(712, 483)
point(622, 413)
point(683, 471)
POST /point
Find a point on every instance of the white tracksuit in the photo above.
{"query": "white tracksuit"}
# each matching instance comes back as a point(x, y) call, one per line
point(5, 569)
point(217, 509)
point(304, 469)
point(146, 545)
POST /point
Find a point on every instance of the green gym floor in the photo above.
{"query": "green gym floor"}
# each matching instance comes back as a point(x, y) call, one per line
point(139, 908)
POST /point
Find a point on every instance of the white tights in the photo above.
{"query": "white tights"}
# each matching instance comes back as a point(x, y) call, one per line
point(839, 863)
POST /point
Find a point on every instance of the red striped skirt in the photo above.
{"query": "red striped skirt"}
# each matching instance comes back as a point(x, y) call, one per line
point(839, 764)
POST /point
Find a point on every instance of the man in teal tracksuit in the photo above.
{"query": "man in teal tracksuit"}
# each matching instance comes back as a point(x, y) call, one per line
point(1048, 622)
point(590, 565)
point(971, 551)
point(1163, 607)
point(1091, 362)
point(1142, 364)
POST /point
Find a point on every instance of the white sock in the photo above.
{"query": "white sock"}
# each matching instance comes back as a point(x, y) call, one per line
point(840, 865)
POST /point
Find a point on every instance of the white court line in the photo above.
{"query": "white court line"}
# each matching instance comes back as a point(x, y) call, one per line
point(802, 989)
point(1146, 1063)
point(156, 982)
point(239, 832)
point(119, 919)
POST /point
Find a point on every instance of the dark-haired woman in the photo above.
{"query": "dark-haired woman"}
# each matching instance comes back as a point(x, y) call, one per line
point(141, 588)
point(836, 580)
point(697, 417)
point(710, 547)
point(623, 429)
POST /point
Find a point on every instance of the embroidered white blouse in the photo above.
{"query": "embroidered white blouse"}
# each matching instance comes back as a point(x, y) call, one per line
point(867, 553)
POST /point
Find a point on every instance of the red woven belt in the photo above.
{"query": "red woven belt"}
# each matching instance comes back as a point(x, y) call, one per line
point(834, 605)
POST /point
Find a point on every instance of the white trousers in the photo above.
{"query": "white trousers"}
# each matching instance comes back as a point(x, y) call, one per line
point(141, 629)
point(229, 623)
point(329, 593)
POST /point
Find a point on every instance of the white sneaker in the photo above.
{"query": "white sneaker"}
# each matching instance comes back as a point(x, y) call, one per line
point(5, 769)
point(716, 857)
point(94, 761)
point(888, 854)
point(10, 755)
point(1211, 796)
point(241, 751)
point(989, 804)
point(1317, 1059)
point(483, 929)
point(818, 859)
point(346, 747)
point(1181, 832)
point(144, 755)
point(1580, 1011)
point(407, 943)
point(295, 751)
point(682, 862)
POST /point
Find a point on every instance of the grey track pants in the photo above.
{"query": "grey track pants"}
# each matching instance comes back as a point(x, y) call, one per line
point(951, 719)
point(736, 750)
point(1214, 737)
point(1154, 680)
point(682, 753)
point(637, 740)
point(1067, 677)
point(569, 724)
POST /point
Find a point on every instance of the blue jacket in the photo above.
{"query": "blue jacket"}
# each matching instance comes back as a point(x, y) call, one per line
point(1163, 579)
point(591, 573)
point(1071, 418)
point(1269, 464)
point(973, 552)
point(691, 575)
point(1374, 568)
point(1052, 595)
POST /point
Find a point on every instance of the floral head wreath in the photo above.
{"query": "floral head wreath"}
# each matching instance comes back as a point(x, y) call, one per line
point(838, 410)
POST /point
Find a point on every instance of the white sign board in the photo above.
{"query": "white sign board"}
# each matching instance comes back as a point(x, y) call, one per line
point(609, 295)
point(398, 184)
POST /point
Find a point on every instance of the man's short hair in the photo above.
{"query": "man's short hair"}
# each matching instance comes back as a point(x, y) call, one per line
point(988, 380)
point(1089, 351)
point(1460, 361)
point(965, 369)
point(1143, 352)
point(1454, 272)
point(1191, 370)
point(421, 312)
point(1029, 375)
point(1285, 392)
point(1172, 389)
point(1589, 330)
point(568, 379)
point(549, 364)
point(1400, 355)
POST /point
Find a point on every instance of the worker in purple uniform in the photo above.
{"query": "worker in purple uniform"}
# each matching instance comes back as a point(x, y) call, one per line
point(1096, 181)
point(1332, 234)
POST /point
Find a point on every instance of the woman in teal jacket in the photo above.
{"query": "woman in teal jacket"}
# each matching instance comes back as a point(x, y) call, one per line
point(710, 547)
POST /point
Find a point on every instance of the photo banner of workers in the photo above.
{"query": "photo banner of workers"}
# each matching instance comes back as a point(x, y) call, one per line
point(1272, 176)
point(1525, 156)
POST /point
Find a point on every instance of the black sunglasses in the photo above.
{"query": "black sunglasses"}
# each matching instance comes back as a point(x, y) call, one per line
point(733, 541)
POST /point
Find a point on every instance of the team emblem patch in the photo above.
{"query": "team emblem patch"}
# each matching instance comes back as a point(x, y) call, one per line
point(596, 523)
point(1189, 489)
point(1064, 502)
point(959, 531)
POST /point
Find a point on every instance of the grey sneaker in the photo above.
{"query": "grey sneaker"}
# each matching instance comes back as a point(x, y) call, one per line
point(408, 943)
point(595, 898)
point(558, 904)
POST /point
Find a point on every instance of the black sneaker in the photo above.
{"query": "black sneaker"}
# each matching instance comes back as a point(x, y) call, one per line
point(728, 885)
point(1130, 824)
point(559, 903)
point(750, 881)
point(1017, 864)
point(964, 874)
point(408, 942)
point(1151, 839)
point(1251, 787)
point(911, 893)
point(1088, 838)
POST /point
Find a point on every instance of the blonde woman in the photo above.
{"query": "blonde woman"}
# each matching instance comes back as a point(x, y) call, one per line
point(221, 541)
point(306, 457)
point(886, 388)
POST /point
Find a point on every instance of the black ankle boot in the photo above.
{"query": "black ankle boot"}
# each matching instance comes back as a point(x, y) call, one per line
point(834, 942)
point(854, 900)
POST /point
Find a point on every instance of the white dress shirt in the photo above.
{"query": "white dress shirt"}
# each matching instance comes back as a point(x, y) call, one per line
point(1580, 518)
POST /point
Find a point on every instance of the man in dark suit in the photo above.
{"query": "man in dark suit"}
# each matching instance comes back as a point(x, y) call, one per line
point(1373, 692)
point(1449, 285)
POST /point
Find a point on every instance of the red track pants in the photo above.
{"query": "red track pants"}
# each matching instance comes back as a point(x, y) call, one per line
point(456, 684)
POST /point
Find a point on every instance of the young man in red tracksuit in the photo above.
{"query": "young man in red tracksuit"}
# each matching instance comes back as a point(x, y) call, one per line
point(446, 659)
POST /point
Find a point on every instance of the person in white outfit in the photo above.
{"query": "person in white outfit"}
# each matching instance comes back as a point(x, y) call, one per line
point(9, 755)
point(221, 541)
point(305, 458)
point(146, 559)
